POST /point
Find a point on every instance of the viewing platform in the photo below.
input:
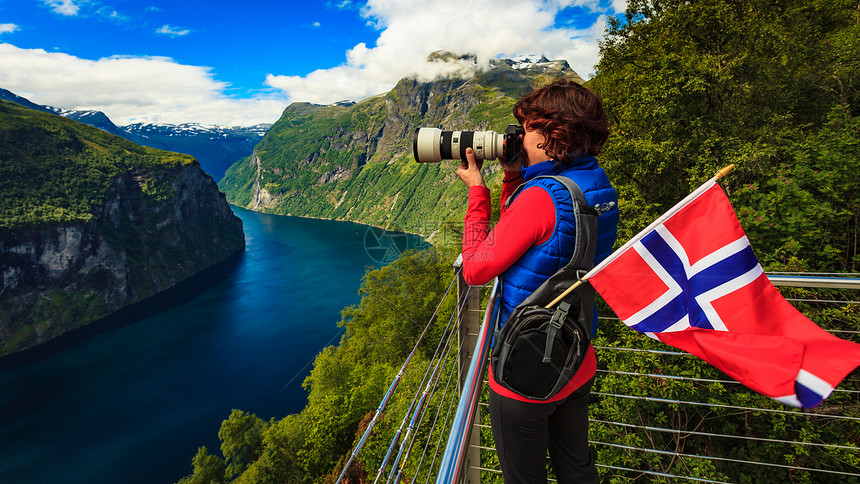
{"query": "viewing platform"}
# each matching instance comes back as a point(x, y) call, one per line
point(656, 413)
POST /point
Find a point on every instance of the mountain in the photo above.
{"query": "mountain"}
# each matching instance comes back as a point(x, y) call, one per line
point(91, 223)
point(96, 119)
point(10, 96)
point(215, 147)
point(354, 161)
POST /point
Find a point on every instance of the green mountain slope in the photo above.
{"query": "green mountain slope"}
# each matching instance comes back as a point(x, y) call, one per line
point(354, 162)
point(90, 223)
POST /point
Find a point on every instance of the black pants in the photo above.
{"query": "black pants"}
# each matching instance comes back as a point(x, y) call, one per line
point(524, 431)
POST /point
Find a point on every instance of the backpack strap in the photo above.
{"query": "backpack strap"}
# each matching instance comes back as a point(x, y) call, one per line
point(533, 330)
point(586, 233)
point(582, 259)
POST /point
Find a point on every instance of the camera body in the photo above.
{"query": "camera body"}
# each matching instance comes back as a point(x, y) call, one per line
point(432, 145)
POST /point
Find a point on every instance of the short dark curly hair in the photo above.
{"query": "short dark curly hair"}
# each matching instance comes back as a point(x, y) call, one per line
point(570, 115)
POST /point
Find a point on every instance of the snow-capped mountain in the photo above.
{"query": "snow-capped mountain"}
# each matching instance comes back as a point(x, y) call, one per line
point(11, 96)
point(97, 119)
point(531, 62)
point(215, 147)
point(193, 129)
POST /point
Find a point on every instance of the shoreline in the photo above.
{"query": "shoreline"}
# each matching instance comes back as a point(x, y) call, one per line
point(423, 237)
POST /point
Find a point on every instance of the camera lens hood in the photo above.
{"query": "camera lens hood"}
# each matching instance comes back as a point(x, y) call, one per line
point(427, 145)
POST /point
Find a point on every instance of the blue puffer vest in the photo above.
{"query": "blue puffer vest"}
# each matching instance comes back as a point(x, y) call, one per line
point(542, 261)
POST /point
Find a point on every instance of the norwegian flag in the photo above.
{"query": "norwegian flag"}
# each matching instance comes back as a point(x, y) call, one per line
point(691, 280)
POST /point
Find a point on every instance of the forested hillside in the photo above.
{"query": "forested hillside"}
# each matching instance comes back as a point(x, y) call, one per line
point(690, 87)
point(91, 223)
point(771, 86)
point(214, 147)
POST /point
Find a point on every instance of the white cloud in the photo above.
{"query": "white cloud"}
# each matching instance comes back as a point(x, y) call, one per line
point(172, 31)
point(8, 28)
point(111, 14)
point(86, 9)
point(64, 7)
point(158, 89)
point(130, 89)
point(410, 31)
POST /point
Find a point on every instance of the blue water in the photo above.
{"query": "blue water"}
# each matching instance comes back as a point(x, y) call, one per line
point(133, 399)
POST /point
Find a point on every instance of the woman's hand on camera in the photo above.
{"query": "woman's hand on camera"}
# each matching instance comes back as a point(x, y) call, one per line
point(469, 170)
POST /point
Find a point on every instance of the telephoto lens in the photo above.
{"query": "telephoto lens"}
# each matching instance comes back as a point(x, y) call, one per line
point(432, 145)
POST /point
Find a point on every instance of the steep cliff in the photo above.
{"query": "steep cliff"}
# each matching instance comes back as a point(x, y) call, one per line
point(90, 223)
point(354, 161)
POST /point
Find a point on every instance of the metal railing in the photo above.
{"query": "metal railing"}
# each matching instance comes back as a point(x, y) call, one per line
point(818, 282)
point(453, 461)
point(458, 437)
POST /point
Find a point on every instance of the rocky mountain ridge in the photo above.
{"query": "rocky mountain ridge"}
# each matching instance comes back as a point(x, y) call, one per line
point(354, 161)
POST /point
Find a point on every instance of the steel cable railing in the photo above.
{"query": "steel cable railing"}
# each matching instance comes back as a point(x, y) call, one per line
point(417, 415)
point(723, 406)
point(417, 427)
point(391, 389)
point(710, 434)
point(459, 432)
point(432, 431)
point(661, 474)
point(690, 378)
point(440, 440)
point(726, 459)
point(455, 448)
point(452, 463)
point(416, 401)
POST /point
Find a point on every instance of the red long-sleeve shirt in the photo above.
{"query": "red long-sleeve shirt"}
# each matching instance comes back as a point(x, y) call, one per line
point(488, 253)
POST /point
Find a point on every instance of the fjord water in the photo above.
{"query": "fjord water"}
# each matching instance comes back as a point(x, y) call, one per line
point(132, 401)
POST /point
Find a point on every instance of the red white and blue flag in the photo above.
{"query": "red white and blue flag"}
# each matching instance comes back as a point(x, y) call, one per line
point(691, 280)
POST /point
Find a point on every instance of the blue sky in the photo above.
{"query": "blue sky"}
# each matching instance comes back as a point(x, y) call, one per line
point(241, 63)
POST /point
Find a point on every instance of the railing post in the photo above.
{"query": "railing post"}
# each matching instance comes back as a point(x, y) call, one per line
point(469, 327)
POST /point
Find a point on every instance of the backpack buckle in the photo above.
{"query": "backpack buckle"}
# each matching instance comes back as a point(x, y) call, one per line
point(555, 323)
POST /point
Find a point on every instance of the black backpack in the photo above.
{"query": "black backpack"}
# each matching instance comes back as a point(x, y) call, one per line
point(539, 347)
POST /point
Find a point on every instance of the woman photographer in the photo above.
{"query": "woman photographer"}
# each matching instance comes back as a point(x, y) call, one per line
point(565, 128)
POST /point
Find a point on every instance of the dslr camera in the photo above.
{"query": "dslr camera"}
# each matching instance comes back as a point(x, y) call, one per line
point(432, 145)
